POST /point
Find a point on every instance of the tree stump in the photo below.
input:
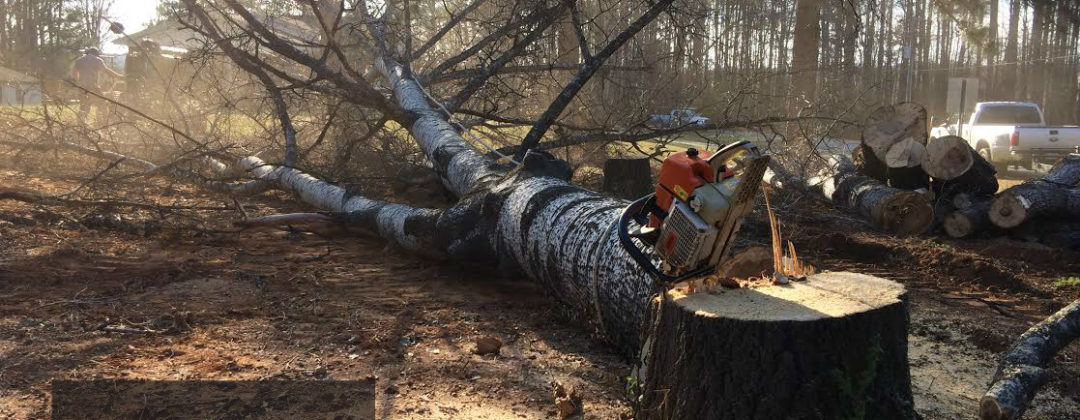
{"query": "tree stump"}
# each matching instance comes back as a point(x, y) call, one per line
point(833, 346)
point(628, 178)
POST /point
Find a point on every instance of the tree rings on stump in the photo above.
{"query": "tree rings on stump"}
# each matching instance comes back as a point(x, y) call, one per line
point(833, 346)
point(947, 157)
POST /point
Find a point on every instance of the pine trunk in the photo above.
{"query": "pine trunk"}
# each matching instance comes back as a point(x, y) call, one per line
point(895, 210)
point(1055, 195)
point(834, 346)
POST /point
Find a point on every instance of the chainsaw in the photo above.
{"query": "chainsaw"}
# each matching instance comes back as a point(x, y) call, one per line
point(691, 220)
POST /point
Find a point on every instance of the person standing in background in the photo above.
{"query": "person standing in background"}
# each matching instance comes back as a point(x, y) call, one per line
point(87, 74)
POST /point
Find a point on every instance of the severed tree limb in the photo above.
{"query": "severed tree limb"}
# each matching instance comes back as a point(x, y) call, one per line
point(454, 21)
point(591, 66)
point(967, 220)
point(246, 63)
point(1023, 368)
point(548, 17)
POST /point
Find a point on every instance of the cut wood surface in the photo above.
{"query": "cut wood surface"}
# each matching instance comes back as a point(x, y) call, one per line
point(947, 157)
point(1023, 368)
point(1055, 195)
point(906, 153)
point(847, 357)
point(867, 163)
point(891, 124)
point(972, 218)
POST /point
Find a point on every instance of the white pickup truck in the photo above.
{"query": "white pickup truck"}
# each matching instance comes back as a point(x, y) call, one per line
point(1014, 133)
point(678, 117)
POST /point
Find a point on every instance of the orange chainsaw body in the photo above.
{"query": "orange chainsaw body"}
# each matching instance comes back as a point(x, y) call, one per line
point(681, 174)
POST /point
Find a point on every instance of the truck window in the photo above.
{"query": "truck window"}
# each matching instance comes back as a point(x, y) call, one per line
point(1008, 115)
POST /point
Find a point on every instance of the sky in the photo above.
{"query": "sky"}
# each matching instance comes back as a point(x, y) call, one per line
point(134, 14)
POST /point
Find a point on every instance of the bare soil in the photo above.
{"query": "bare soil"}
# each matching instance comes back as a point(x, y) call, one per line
point(99, 293)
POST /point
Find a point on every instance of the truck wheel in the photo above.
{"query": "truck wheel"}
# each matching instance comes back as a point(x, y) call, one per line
point(984, 152)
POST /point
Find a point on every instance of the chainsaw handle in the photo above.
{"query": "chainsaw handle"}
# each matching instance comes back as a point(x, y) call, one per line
point(721, 156)
point(636, 253)
point(628, 243)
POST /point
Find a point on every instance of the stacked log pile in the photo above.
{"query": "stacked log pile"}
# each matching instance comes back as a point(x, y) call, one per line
point(906, 183)
point(898, 178)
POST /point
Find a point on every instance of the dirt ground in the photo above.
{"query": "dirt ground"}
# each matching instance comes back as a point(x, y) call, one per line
point(88, 294)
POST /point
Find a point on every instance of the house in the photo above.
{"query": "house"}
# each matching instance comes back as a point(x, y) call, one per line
point(18, 89)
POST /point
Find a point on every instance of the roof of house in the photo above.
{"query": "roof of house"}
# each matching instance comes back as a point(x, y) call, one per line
point(9, 75)
point(171, 33)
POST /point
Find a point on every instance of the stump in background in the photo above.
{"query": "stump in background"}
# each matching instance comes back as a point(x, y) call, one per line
point(833, 346)
point(628, 178)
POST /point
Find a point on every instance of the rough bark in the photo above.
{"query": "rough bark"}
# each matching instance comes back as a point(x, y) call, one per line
point(895, 210)
point(1023, 369)
point(964, 222)
point(1054, 195)
point(892, 209)
point(628, 178)
point(978, 181)
point(834, 346)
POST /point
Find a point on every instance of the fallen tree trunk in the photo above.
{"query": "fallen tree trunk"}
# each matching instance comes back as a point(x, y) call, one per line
point(978, 181)
point(894, 210)
point(523, 221)
point(1023, 369)
point(973, 217)
point(851, 332)
point(1054, 195)
point(898, 211)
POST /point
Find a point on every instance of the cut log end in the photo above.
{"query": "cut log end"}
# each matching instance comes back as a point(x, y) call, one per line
point(907, 153)
point(947, 157)
point(957, 225)
point(1008, 210)
point(777, 343)
point(906, 213)
point(823, 296)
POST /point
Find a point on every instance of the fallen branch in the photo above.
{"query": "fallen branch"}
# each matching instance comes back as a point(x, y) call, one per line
point(1023, 369)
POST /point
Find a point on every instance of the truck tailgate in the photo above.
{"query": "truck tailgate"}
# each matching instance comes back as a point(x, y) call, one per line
point(1048, 138)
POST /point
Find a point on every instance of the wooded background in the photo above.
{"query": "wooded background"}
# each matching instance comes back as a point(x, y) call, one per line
point(879, 51)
